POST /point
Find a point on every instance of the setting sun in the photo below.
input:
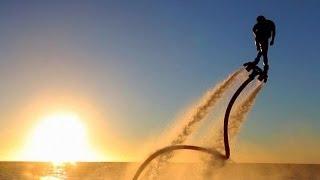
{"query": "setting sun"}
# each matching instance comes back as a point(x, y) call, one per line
point(60, 137)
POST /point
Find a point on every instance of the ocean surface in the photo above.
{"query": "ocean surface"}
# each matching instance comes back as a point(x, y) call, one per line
point(122, 170)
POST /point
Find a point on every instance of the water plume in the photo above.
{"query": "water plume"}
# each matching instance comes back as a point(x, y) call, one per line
point(200, 111)
point(241, 112)
point(192, 119)
point(191, 122)
point(237, 118)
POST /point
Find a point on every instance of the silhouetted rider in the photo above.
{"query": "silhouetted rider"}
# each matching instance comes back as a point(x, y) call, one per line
point(263, 30)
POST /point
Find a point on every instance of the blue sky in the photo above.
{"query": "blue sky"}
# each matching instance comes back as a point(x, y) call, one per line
point(141, 62)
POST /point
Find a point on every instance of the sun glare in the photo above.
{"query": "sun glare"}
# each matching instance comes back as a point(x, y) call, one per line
point(59, 138)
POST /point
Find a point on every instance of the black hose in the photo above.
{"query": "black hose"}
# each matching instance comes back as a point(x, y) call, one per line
point(227, 114)
point(173, 148)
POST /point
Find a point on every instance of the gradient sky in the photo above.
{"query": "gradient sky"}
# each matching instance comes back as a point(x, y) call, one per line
point(136, 64)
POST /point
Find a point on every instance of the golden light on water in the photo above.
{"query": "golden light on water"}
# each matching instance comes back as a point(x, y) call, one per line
point(59, 137)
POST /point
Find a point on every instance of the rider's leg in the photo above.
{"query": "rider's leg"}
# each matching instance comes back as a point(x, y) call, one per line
point(257, 59)
point(264, 49)
point(259, 49)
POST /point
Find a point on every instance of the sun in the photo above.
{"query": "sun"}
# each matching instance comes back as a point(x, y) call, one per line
point(59, 137)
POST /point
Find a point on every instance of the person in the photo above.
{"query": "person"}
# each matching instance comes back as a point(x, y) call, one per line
point(263, 30)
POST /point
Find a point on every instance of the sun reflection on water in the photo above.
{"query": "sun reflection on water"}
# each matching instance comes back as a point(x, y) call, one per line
point(57, 171)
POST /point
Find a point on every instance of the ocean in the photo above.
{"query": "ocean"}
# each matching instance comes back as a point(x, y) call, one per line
point(123, 170)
